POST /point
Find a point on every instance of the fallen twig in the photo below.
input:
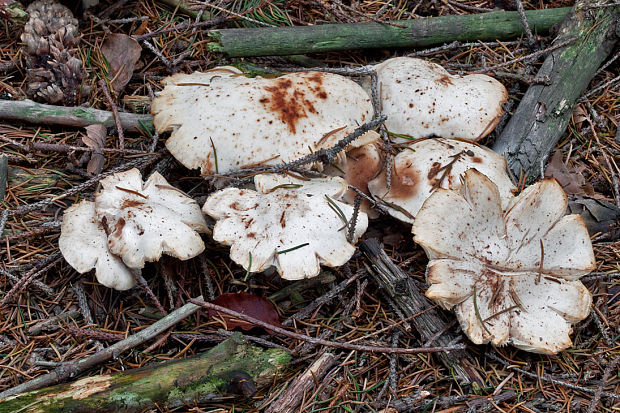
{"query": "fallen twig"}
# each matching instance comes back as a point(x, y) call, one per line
point(73, 368)
point(318, 341)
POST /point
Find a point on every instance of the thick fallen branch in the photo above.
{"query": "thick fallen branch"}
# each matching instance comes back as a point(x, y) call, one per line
point(72, 369)
point(426, 321)
point(232, 367)
point(545, 110)
point(33, 112)
point(269, 41)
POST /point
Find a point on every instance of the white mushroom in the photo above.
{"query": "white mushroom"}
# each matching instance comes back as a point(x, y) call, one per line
point(84, 244)
point(292, 224)
point(144, 220)
point(422, 99)
point(223, 121)
point(428, 164)
point(511, 277)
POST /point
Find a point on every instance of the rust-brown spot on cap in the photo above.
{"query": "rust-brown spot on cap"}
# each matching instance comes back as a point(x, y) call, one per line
point(292, 100)
point(405, 180)
point(362, 167)
point(131, 203)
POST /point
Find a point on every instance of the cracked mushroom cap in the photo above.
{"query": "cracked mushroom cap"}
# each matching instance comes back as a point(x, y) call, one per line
point(84, 244)
point(292, 224)
point(421, 99)
point(146, 220)
point(222, 121)
point(428, 164)
point(511, 277)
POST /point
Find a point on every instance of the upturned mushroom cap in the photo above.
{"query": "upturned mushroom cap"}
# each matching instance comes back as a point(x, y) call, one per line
point(145, 220)
point(222, 121)
point(292, 224)
point(429, 164)
point(84, 244)
point(422, 99)
point(511, 277)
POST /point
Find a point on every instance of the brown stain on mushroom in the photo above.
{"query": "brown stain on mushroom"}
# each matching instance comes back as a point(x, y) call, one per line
point(362, 167)
point(131, 203)
point(118, 228)
point(445, 80)
point(476, 159)
point(405, 181)
point(291, 101)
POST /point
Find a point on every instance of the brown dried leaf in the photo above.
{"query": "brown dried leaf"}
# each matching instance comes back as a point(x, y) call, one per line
point(248, 304)
point(95, 139)
point(579, 116)
point(122, 53)
point(570, 179)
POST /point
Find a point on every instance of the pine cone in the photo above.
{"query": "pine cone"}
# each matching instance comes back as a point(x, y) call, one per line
point(54, 74)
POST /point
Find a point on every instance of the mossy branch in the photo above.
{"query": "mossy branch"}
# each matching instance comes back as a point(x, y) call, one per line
point(269, 41)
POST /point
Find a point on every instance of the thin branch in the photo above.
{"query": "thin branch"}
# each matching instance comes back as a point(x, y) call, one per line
point(325, 156)
point(527, 57)
point(318, 341)
point(74, 368)
point(117, 119)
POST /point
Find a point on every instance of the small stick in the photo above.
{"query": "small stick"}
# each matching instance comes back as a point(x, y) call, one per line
point(157, 53)
point(324, 299)
point(357, 203)
point(26, 209)
point(45, 265)
point(325, 156)
point(318, 341)
point(289, 401)
point(74, 368)
point(527, 57)
point(181, 26)
point(119, 126)
point(551, 380)
point(38, 284)
point(611, 367)
point(530, 37)
point(145, 287)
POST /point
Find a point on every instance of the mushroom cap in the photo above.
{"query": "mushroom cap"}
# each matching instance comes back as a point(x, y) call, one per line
point(289, 223)
point(145, 220)
point(511, 277)
point(84, 244)
point(419, 170)
point(222, 121)
point(422, 99)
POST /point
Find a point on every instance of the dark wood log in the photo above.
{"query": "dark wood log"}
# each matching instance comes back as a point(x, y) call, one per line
point(231, 368)
point(545, 111)
point(270, 41)
point(410, 300)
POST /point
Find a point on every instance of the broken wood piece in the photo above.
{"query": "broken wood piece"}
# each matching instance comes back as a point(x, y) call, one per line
point(269, 41)
point(412, 302)
point(301, 387)
point(231, 368)
point(545, 111)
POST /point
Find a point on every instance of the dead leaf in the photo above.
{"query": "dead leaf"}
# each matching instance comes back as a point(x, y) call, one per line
point(95, 139)
point(571, 179)
point(248, 304)
point(600, 217)
point(579, 116)
point(122, 53)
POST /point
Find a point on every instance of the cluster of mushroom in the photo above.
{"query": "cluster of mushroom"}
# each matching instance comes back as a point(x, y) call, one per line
point(130, 222)
point(510, 277)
